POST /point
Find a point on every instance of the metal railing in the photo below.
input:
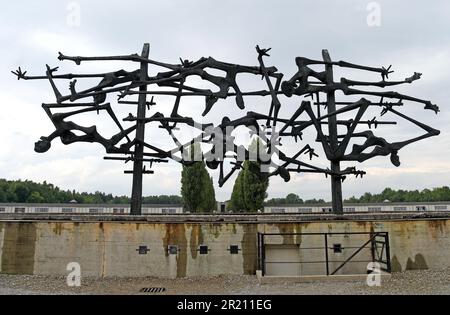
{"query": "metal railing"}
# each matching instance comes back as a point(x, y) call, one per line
point(376, 242)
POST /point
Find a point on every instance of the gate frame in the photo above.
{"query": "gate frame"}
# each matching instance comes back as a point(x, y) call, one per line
point(376, 256)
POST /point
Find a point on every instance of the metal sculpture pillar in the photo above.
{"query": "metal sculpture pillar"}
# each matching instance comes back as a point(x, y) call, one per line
point(336, 181)
point(136, 190)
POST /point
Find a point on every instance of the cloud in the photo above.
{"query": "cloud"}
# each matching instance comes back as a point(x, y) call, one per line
point(50, 42)
point(412, 37)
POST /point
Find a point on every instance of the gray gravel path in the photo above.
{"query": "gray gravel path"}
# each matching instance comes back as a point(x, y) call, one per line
point(410, 282)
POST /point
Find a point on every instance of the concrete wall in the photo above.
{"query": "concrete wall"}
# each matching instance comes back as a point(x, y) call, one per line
point(110, 248)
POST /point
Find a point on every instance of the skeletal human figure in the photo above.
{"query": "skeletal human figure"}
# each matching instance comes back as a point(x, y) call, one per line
point(110, 79)
point(310, 82)
point(300, 83)
point(177, 77)
point(383, 148)
point(64, 130)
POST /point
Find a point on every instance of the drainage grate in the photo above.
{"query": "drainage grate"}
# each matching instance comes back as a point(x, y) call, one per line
point(153, 290)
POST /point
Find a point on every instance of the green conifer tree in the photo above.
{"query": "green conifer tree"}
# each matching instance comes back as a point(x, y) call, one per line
point(250, 188)
point(197, 189)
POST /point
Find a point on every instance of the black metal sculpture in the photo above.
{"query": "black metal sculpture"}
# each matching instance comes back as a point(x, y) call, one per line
point(269, 127)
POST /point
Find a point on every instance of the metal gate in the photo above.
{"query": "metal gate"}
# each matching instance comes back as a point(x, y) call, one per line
point(322, 253)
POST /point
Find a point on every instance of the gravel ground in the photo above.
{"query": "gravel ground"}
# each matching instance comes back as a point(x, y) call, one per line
point(410, 282)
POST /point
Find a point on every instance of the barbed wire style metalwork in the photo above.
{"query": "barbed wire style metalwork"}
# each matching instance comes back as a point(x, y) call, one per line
point(129, 144)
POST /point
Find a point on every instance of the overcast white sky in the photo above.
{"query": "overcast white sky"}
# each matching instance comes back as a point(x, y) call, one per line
point(412, 36)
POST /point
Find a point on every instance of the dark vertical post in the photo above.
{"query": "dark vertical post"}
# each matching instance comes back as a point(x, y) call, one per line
point(136, 194)
point(326, 254)
point(388, 253)
point(263, 255)
point(336, 184)
point(259, 252)
point(373, 246)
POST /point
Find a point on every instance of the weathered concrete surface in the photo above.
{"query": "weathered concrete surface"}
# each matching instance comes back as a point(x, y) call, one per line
point(220, 218)
point(18, 248)
point(109, 248)
point(414, 244)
